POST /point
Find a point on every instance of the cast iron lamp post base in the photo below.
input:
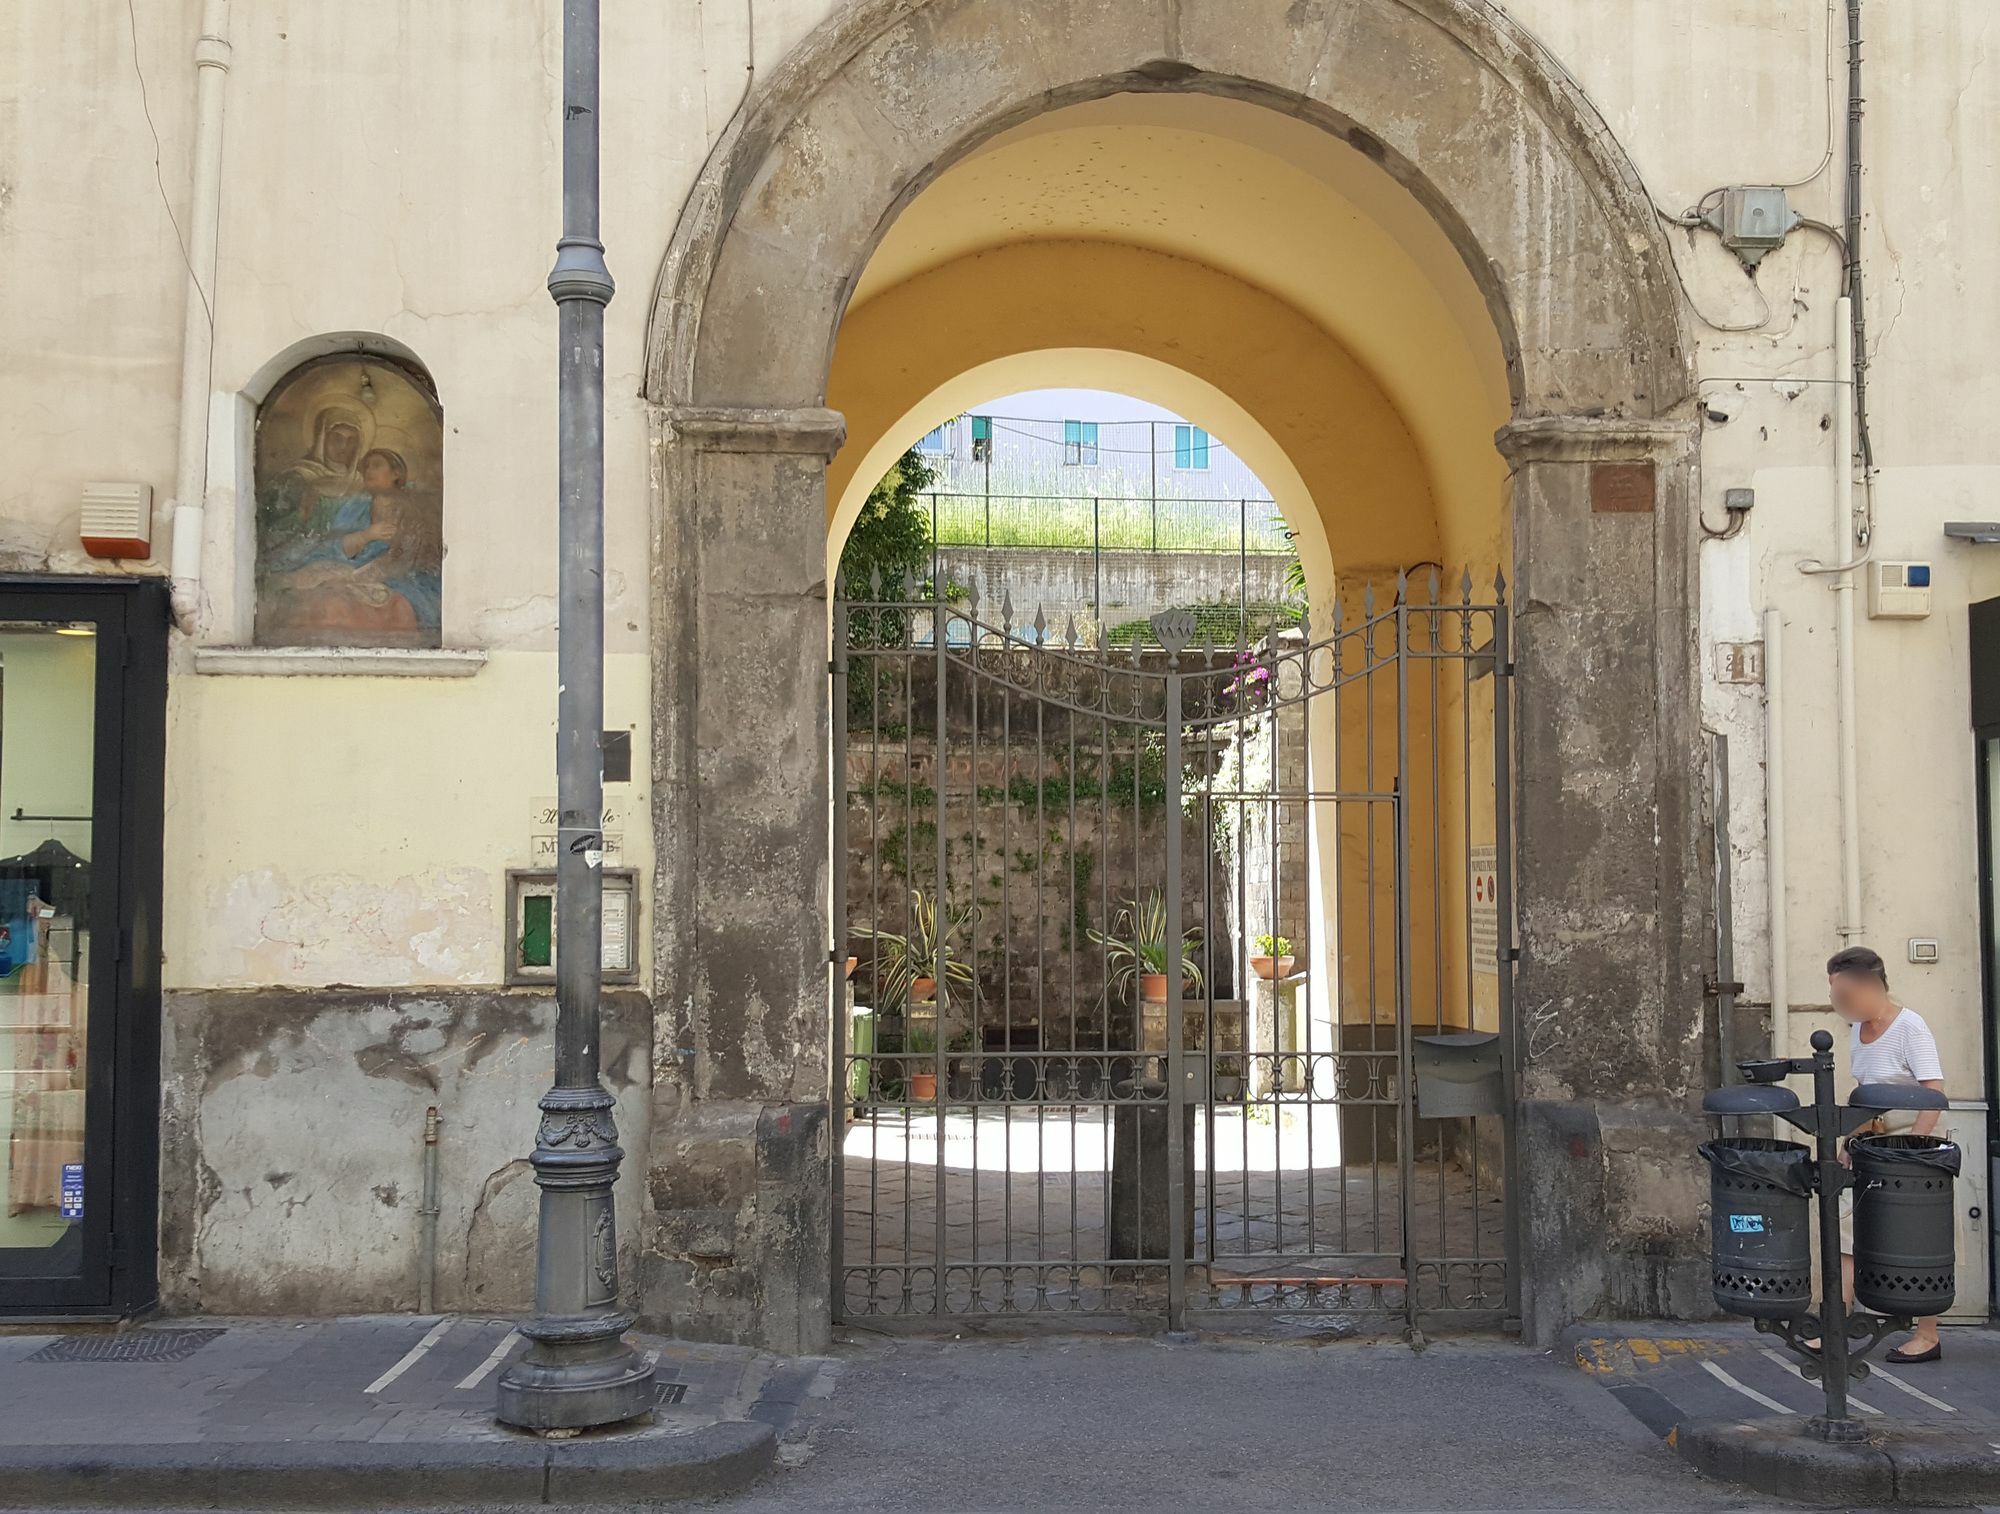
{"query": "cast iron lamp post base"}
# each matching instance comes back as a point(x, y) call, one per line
point(576, 1376)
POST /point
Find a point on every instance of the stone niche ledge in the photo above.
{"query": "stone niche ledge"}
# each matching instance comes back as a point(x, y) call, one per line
point(372, 662)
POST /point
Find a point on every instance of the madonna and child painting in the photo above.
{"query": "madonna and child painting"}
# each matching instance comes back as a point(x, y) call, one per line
point(350, 503)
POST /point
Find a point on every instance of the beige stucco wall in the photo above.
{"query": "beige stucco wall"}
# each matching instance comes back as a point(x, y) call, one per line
point(392, 168)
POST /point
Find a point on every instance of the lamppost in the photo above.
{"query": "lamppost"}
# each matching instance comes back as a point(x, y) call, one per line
point(578, 1372)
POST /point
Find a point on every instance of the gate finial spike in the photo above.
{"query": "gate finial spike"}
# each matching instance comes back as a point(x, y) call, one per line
point(972, 601)
point(1007, 610)
point(1334, 620)
point(1368, 599)
point(1465, 588)
point(1500, 583)
point(1069, 632)
point(1436, 574)
point(875, 583)
point(1402, 586)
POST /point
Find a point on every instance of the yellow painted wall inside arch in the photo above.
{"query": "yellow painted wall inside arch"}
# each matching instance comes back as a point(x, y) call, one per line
point(1318, 415)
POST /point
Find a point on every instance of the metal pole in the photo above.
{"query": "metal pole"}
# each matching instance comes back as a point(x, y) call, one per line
point(1837, 1423)
point(578, 1372)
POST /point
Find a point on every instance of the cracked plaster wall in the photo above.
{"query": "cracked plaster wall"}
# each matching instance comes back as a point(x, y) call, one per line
point(293, 1146)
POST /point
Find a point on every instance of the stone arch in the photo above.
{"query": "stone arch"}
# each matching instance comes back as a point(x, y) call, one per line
point(1474, 119)
point(1559, 233)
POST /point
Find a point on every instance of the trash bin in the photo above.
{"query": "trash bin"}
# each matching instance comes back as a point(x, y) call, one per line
point(1459, 1074)
point(1905, 1230)
point(860, 1042)
point(1759, 1194)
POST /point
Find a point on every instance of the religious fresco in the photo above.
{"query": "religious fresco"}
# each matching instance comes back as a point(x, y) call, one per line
point(350, 506)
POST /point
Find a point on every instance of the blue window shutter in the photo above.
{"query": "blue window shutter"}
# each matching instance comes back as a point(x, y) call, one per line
point(1183, 446)
point(1200, 448)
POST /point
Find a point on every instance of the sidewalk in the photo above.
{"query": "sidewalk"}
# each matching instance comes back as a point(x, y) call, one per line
point(355, 1413)
point(1733, 1403)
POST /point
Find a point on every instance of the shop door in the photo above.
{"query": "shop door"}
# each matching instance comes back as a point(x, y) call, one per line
point(82, 685)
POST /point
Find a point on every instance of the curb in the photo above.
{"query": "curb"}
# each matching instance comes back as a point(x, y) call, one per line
point(657, 1465)
point(1913, 1465)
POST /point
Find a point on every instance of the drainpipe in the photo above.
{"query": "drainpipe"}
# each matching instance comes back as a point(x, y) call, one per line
point(211, 60)
point(1849, 924)
point(1774, 821)
point(427, 1216)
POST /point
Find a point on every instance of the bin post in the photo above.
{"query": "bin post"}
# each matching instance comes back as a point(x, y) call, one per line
point(1838, 1423)
point(1831, 1343)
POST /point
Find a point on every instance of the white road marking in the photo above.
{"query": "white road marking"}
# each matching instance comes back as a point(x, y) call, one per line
point(1750, 1393)
point(411, 1357)
point(480, 1373)
point(1797, 1371)
point(1918, 1393)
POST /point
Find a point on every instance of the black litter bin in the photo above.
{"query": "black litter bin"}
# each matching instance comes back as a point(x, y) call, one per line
point(1905, 1231)
point(1759, 1192)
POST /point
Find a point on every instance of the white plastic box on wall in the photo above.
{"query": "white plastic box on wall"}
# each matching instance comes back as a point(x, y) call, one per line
point(1899, 590)
point(117, 520)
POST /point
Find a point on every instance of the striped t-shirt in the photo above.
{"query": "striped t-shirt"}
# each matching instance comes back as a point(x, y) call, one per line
point(1904, 1053)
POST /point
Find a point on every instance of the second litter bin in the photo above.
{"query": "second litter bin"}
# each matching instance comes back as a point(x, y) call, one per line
point(1759, 1193)
point(1905, 1230)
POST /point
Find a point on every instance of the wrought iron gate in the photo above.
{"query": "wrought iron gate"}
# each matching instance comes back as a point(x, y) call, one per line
point(1036, 825)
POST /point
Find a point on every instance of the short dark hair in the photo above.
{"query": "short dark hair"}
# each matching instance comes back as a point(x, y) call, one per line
point(1859, 962)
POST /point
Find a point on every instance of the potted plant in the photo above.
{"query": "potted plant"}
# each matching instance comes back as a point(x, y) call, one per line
point(920, 1040)
point(908, 963)
point(1274, 959)
point(1138, 949)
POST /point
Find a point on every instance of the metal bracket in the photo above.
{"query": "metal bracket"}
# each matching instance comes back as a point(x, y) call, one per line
point(1867, 1329)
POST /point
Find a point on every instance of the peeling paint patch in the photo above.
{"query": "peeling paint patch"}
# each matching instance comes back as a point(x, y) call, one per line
point(440, 926)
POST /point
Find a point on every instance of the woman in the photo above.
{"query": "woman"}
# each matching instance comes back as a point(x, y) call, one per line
point(1888, 1043)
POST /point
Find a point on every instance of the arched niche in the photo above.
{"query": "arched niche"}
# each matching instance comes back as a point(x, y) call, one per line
point(347, 470)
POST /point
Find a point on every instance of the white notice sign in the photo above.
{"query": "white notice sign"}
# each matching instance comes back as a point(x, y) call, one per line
point(1483, 886)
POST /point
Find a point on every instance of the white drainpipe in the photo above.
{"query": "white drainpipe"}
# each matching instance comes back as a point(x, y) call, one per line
point(1774, 821)
point(211, 59)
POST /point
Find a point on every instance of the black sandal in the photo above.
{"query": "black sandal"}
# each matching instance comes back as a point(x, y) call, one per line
point(1904, 1358)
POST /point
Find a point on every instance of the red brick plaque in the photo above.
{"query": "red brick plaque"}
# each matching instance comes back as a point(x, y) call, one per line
point(1621, 488)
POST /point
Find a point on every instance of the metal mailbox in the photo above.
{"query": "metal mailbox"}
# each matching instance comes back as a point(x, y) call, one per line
point(1459, 1074)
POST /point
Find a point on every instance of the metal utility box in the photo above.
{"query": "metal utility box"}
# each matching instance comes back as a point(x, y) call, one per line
point(1458, 1074)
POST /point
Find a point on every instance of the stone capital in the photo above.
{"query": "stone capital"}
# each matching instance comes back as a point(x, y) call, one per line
point(748, 428)
point(1594, 438)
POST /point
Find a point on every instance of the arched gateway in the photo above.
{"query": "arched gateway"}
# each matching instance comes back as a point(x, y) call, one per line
point(1473, 119)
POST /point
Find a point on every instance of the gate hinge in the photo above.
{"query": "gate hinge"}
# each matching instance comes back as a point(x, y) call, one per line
point(1715, 990)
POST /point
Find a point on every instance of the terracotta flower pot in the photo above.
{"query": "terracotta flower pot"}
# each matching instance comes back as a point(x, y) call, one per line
point(1153, 987)
point(923, 990)
point(1272, 967)
point(923, 1087)
point(852, 963)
